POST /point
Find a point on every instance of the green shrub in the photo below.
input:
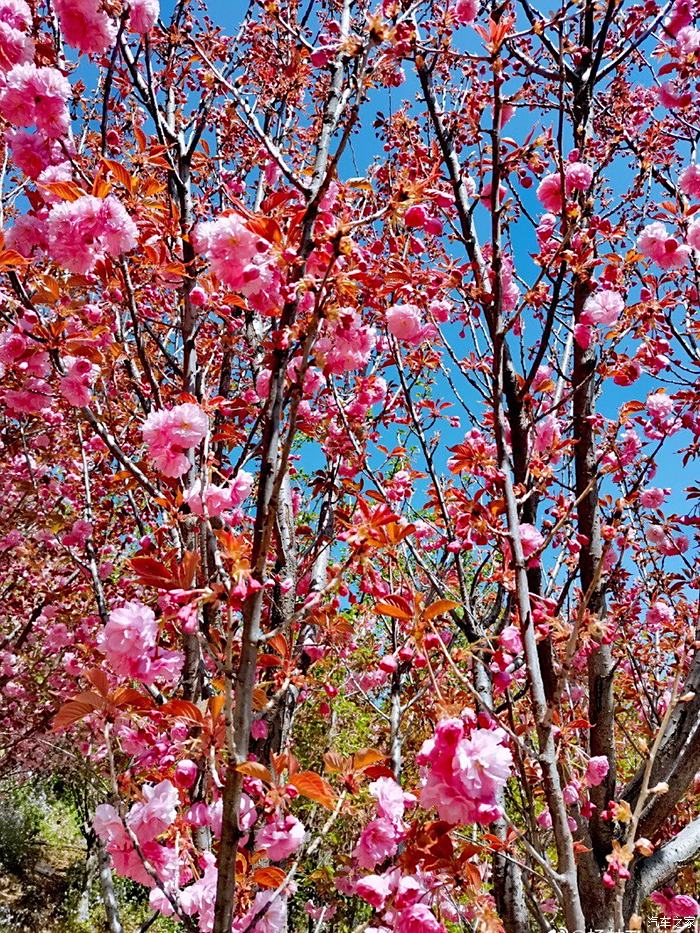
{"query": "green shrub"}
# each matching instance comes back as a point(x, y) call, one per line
point(20, 827)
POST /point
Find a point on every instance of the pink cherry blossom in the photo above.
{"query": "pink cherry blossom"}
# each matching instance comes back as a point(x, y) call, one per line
point(578, 176)
point(131, 628)
point(596, 770)
point(659, 613)
point(653, 498)
point(346, 343)
point(158, 811)
point(676, 906)
point(689, 181)
point(465, 11)
point(666, 545)
point(16, 45)
point(462, 772)
point(530, 538)
point(546, 435)
point(185, 773)
point(197, 898)
point(36, 96)
point(86, 25)
point(694, 235)
point(219, 498)
point(170, 433)
point(418, 918)
point(32, 398)
point(485, 196)
point(661, 409)
point(33, 152)
point(63, 171)
point(280, 838)
point(375, 889)
point(379, 840)
point(688, 40)
point(129, 640)
point(510, 640)
point(143, 15)
point(241, 259)
point(16, 13)
point(27, 234)
point(87, 230)
point(404, 322)
point(546, 227)
point(603, 307)
point(240, 487)
point(391, 799)
point(77, 383)
point(125, 859)
point(681, 15)
point(672, 97)
point(270, 907)
point(549, 192)
point(416, 216)
point(656, 243)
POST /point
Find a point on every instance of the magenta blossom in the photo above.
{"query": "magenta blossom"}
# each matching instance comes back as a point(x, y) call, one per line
point(463, 772)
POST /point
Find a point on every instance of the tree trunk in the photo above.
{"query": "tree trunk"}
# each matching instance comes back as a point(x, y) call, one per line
point(109, 897)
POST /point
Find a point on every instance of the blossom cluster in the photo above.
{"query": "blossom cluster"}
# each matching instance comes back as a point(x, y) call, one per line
point(130, 641)
point(87, 25)
point(142, 825)
point(242, 259)
point(170, 433)
point(16, 44)
point(463, 770)
point(84, 231)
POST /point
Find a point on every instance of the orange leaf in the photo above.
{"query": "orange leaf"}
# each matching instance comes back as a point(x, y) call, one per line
point(188, 569)
point(366, 757)
point(99, 681)
point(311, 785)
point(65, 190)
point(279, 644)
point(439, 608)
point(127, 698)
point(496, 844)
point(101, 187)
point(183, 709)
point(120, 173)
point(396, 607)
point(71, 712)
point(270, 877)
point(335, 762)
point(216, 704)
point(256, 770)
point(10, 258)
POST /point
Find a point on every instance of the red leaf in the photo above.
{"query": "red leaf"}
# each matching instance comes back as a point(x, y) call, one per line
point(153, 573)
point(376, 771)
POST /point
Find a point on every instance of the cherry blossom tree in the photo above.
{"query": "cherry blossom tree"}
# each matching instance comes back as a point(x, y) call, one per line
point(349, 408)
